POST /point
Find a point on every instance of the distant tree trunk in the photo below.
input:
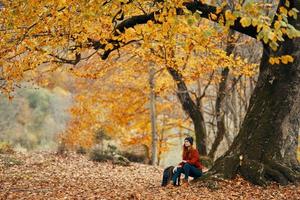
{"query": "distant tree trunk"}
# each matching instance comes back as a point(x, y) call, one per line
point(190, 107)
point(161, 140)
point(153, 117)
point(266, 146)
point(220, 117)
point(180, 135)
point(202, 132)
point(147, 159)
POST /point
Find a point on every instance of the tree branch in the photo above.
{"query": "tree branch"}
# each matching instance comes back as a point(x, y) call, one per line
point(186, 101)
point(196, 6)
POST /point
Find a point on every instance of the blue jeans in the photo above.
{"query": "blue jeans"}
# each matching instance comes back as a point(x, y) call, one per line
point(187, 170)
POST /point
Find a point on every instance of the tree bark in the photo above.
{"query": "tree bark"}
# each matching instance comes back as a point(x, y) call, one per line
point(191, 109)
point(266, 146)
point(220, 117)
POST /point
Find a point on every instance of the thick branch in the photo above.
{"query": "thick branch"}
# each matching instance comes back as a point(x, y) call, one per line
point(187, 103)
point(204, 10)
point(207, 10)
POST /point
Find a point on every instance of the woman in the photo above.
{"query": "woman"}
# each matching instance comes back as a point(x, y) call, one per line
point(190, 164)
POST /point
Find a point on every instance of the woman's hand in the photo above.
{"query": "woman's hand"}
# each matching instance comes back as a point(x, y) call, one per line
point(204, 169)
point(175, 168)
point(184, 161)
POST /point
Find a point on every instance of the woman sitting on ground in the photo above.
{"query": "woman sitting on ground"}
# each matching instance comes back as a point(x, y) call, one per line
point(190, 165)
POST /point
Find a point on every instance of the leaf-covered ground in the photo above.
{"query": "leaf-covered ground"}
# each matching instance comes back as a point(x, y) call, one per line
point(48, 176)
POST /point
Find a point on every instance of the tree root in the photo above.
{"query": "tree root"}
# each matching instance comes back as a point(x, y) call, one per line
point(258, 172)
point(261, 173)
point(254, 172)
point(289, 173)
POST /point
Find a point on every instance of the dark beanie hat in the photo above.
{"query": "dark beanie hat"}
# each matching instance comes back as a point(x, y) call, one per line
point(190, 139)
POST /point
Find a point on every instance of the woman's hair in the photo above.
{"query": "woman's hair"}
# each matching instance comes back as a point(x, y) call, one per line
point(186, 151)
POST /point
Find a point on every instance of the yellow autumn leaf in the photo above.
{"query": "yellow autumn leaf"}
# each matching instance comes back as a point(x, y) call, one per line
point(150, 23)
point(286, 59)
point(272, 60)
point(271, 36)
point(213, 16)
point(219, 10)
point(109, 46)
point(277, 60)
point(255, 22)
point(277, 25)
point(274, 45)
point(246, 21)
point(283, 10)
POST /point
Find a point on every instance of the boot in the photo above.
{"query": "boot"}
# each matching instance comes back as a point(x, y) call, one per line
point(185, 183)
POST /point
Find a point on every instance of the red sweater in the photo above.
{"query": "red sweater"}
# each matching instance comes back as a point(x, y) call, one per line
point(192, 157)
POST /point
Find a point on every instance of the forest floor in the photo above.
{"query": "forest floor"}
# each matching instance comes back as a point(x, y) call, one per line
point(45, 175)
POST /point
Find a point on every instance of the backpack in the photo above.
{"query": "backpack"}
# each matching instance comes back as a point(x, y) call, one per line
point(168, 175)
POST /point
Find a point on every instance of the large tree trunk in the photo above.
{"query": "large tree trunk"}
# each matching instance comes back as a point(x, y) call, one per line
point(191, 109)
point(266, 146)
